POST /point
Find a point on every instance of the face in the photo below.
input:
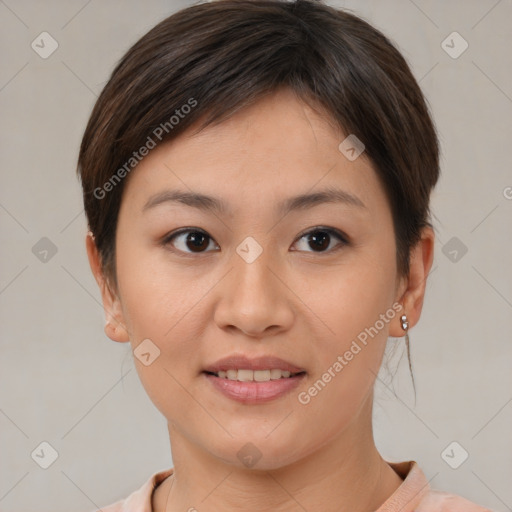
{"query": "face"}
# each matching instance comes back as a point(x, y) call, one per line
point(254, 279)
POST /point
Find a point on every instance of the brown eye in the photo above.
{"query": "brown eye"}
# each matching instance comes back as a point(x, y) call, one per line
point(319, 239)
point(193, 240)
point(189, 240)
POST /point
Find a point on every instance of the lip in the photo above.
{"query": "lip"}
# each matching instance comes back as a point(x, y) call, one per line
point(254, 392)
point(242, 362)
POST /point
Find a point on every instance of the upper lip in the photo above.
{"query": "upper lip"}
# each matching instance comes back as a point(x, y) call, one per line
point(242, 362)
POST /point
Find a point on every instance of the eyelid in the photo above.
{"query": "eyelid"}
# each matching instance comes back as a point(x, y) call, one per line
point(186, 229)
point(189, 229)
point(326, 229)
point(344, 239)
point(331, 231)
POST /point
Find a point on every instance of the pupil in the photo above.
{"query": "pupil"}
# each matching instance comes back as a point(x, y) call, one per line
point(322, 237)
point(197, 240)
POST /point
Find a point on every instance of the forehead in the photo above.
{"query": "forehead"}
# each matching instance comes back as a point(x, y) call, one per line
point(276, 148)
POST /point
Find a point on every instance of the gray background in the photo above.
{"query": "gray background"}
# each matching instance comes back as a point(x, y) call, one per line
point(66, 383)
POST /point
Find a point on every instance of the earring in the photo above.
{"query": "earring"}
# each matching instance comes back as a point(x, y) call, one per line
point(405, 323)
point(405, 327)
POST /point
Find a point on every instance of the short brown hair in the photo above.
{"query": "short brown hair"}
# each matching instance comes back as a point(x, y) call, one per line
point(222, 56)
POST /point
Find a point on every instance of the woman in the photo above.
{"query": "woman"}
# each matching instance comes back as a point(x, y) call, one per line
point(256, 180)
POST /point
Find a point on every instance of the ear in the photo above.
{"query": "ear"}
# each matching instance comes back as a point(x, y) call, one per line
point(115, 327)
point(411, 292)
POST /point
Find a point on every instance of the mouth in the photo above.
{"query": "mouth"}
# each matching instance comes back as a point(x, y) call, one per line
point(253, 380)
point(247, 375)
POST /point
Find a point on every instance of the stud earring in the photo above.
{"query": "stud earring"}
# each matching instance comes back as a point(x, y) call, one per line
point(405, 323)
point(405, 327)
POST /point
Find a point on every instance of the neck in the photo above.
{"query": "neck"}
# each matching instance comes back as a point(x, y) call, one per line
point(345, 474)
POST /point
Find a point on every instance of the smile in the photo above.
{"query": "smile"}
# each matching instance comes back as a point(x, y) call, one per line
point(243, 375)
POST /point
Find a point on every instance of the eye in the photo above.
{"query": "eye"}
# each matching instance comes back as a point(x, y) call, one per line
point(321, 238)
point(196, 240)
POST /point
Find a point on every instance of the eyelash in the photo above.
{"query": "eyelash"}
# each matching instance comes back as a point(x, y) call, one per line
point(330, 231)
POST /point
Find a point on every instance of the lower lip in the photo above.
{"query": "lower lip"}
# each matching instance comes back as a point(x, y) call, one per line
point(255, 392)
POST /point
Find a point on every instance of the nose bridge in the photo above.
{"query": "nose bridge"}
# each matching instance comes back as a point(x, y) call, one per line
point(256, 299)
point(252, 273)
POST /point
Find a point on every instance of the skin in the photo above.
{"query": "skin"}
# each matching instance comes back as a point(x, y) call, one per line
point(297, 301)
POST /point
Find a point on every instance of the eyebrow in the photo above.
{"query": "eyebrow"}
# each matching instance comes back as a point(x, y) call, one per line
point(216, 205)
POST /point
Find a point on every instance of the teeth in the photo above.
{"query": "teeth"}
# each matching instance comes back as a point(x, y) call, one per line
point(275, 374)
point(261, 375)
point(243, 375)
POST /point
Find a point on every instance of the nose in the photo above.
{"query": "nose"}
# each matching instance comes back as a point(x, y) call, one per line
point(254, 299)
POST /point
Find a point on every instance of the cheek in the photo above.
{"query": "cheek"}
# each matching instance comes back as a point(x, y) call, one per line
point(156, 297)
point(347, 359)
point(355, 306)
point(160, 305)
point(353, 296)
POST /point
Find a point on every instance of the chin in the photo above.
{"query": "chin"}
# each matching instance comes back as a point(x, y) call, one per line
point(257, 450)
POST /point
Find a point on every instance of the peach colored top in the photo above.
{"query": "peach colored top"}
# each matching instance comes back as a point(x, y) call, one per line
point(413, 495)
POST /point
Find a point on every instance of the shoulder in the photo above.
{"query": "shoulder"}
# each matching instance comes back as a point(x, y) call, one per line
point(140, 499)
point(441, 501)
point(416, 495)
